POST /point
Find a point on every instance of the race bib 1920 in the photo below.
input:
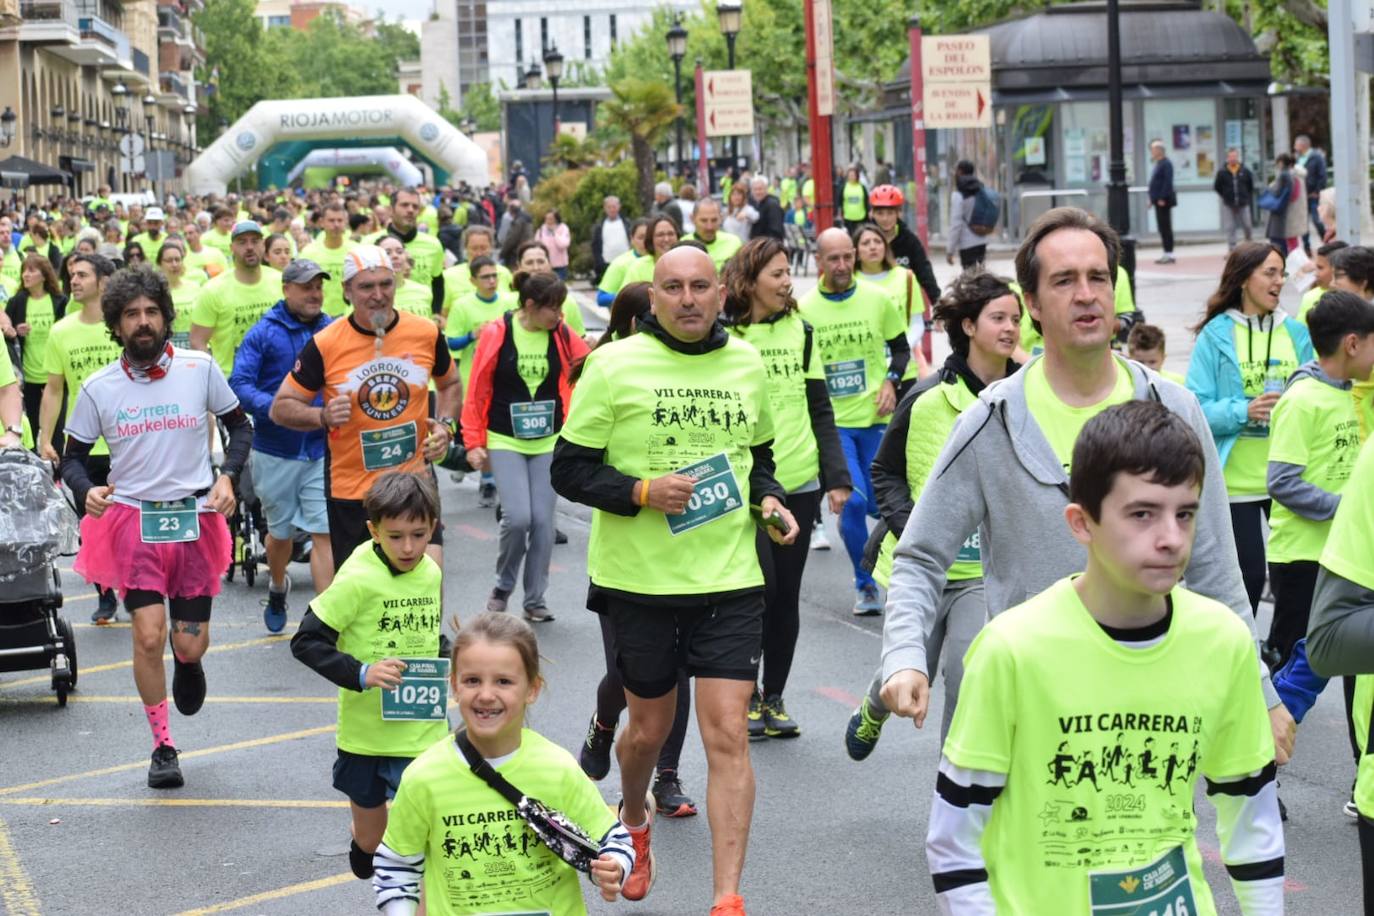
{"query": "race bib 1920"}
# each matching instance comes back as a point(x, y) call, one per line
point(714, 493)
point(422, 694)
point(1161, 888)
point(168, 522)
point(846, 377)
point(389, 447)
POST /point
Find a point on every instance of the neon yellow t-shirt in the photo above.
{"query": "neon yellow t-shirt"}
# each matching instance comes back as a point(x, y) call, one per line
point(150, 246)
point(209, 261)
point(184, 297)
point(76, 351)
point(1174, 377)
point(427, 257)
point(458, 283)
point(1314, 426)
point(640, 270)
point(1061, 423)
point(1247, 465)
point(379, 614)
point(932, 419)
point(721, 248)
point(853, 202)
point(220, 241)
point(656, 411)
point(331, 260)
point(469, 313)
point(479, 855)
point(613, 280)
point(851, 337)
point(782, 344)
point(532, 364)
point(230, 308)
point(40, 317)
point(11, 269)
point(1347, 555)
point(1309, 299)
point(7, 377)
point(1102, 755)
point(572, 316)
point(415, 298)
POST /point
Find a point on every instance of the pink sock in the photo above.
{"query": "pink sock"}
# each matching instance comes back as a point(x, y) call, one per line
point(157, 721)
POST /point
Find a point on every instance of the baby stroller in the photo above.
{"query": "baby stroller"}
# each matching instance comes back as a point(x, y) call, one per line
point(36, 527)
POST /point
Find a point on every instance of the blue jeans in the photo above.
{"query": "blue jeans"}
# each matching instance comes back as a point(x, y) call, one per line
point(860, 445)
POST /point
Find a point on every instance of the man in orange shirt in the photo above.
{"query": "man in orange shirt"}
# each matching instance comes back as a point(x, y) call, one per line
point(373, 369)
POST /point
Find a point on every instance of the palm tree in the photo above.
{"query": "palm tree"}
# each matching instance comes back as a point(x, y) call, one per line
point(645, 109)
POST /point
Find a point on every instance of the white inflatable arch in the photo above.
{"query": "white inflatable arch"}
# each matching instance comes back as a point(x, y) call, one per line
point(270, 122)
point(388, 157)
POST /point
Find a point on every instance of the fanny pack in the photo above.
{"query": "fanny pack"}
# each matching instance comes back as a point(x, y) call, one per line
point(552, 827)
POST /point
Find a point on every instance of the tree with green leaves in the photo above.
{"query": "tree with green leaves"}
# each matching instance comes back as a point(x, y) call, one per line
point(645, 109)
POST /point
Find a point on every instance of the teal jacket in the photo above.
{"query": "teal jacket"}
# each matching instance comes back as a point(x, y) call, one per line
point(1214, 376)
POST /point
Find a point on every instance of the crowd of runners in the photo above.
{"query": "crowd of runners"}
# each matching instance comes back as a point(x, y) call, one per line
point(1021, 515)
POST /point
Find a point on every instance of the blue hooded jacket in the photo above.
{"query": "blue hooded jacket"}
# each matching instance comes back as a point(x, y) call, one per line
point(263, 360)
point(1214, 375)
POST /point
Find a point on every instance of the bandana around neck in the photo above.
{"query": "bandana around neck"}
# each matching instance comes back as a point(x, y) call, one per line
point(149, 373)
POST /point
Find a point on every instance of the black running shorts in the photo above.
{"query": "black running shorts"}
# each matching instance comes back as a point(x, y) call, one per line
point(711, 636)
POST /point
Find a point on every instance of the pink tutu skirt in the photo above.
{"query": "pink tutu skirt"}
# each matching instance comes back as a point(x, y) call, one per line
point(113, 555)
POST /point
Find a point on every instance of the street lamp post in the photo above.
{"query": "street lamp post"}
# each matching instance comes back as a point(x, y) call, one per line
point(1118, 199)
point(677, 49)
point(120, 92)
point(553, 65)
point(532, 78)
point(730, 13)
point(149, 116)
point(7, 119)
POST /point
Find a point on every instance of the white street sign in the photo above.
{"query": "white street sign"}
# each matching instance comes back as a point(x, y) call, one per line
point(131, 145)
point(957, 80)
point(825, 58)
point(728, 97)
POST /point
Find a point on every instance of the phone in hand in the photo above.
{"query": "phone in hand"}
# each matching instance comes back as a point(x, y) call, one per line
point(771, 520)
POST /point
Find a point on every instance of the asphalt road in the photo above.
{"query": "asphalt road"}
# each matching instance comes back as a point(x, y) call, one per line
point(258, 828)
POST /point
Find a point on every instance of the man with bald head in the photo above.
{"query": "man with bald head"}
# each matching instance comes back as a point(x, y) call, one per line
point(861, 336)
point(669, 440)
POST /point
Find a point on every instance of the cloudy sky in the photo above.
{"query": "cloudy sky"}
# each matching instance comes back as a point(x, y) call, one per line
point(405, 9)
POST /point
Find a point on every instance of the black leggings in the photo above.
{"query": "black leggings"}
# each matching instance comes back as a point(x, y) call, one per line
point(1249, 533)
point(610, 701)
point(1367, 863)
point(782, 575)
point(1293, 585)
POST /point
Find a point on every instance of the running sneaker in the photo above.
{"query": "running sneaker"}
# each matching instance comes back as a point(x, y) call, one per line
point(732, 905)
point(869, 603)
point(457, 476)
point(863, 731)
point(757, 727)
point(497, 600)
point(486, 496)
point(164, 772)
point(359, 860)
point(595, 757)
point(274, 608)
point(818, 539)
point(105, 608)
point(671, 800)
point(1350, 811)
point(188, 685)
point(776, 722)
point(641, 878)
point(538, 614)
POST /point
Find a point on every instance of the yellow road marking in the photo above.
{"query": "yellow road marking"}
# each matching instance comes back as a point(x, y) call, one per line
point(86, 597)
point(115, 666)
point(288, 891)
point(87, 698)
point(176, 803)
point(188, 755)
point(16, 893)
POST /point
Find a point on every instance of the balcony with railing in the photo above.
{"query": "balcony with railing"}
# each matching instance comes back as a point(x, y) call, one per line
point(175, 90)
point(101, 42)
point(48, 21)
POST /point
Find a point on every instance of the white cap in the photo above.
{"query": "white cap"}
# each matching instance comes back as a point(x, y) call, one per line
point(155, 213)
point(364, 257)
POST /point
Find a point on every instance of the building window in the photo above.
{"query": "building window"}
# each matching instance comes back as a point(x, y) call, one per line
point(279, 22)
point(519, 43)
point(587, 37)
point(613, 37)
point(543, 34)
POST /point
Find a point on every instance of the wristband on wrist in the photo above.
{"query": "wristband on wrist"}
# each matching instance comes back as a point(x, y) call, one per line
point(644, 492)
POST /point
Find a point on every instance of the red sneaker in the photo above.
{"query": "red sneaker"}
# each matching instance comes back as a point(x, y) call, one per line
point(730, 906)
point(641, 878)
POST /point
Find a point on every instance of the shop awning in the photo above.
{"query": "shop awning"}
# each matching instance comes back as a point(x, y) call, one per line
point(75, 164)
point(35, 172)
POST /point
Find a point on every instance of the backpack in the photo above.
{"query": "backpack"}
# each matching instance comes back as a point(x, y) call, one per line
point(987, 209)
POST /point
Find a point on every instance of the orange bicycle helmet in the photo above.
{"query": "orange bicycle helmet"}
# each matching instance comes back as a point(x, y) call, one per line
point(886, 195)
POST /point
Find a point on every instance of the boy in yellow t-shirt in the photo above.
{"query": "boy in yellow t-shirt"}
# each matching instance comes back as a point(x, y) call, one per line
point(375, 632)
point(1314, 439)
point(1069, 788)
point(1145, 345)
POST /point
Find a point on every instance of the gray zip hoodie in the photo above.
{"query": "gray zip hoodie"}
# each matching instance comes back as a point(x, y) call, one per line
point(999, 475)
